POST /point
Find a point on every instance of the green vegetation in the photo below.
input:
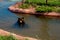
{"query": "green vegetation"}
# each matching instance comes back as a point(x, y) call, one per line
point(57, 9)
point(24, 6)
point(26, 39)
point(43, 2)
point(42, 6)
point(47, 9)
point(44, 9)
point(7, 38)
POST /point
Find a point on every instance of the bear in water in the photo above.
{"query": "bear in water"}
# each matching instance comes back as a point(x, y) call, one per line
point(21, 21)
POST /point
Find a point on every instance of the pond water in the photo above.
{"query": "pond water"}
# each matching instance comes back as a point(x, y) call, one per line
point(44, 28)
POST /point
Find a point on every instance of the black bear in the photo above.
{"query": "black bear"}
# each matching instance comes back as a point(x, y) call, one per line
point(21, 21)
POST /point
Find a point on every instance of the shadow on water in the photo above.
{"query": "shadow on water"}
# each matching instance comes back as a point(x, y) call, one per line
point(16, 25)
point(47, 17)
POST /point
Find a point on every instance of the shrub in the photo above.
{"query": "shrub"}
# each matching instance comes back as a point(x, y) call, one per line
point(43, 2)
point(24, 6)
point(43, 9)
point(26, 39)
point(7, 38)
point(53, 3)
point(57, 9)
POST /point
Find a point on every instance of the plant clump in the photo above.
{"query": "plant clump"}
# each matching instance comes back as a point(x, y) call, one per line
point(24, 6)
point(7, 37)
point(41, 6)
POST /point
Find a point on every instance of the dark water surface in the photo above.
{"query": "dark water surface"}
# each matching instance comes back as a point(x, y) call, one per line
point(38, 27)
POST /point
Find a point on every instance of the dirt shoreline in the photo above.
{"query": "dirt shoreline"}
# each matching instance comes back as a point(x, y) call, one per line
point(5, 33)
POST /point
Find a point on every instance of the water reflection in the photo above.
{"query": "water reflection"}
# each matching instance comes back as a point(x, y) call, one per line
point(44, 35)
point(17, 26)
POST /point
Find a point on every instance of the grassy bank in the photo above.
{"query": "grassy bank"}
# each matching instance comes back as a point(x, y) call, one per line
point(41, 6)
point(43, 2)
point(47, 9)
point(10, 37)
point(7, 38)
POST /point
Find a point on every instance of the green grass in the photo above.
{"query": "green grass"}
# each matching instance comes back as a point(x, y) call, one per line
point(47, 9)
point(24, 6)
point(41, 6)
point(57, 9)
point(44, 9)
point(7, 38)
point(42, 2)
